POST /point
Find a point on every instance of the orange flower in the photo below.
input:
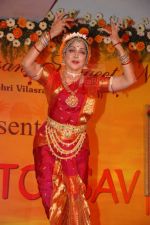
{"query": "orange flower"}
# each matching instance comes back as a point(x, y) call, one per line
point(132, 46)
point(17, 32)
point(101, 23)
point(98, 38)
point(108, 27)
point(140, 46)
point(3, 24)
point(84, 30)
point(131, 22)
point(110, 48)
point(51, 46)
point(90, 40)
point(34, 37)
point(22, 22)
point(125, 37)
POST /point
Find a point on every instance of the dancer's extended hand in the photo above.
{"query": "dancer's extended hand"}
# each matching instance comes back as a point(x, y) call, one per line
point(61, 22)
point(114, 32)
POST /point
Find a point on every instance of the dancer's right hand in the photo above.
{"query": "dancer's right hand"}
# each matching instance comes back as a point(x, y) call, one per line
point(61, 22)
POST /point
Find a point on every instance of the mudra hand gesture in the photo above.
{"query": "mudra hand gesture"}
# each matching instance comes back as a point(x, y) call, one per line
point(61, 22)
point(114, 32)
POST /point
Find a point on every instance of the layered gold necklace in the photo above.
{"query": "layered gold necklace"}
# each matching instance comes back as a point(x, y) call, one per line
point(72, 100)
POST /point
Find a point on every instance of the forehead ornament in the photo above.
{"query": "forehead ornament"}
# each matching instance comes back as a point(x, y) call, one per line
point(73, 35)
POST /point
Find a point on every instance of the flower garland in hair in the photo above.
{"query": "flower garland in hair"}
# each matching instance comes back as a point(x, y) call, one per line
point(73, 35)
point(16, 35)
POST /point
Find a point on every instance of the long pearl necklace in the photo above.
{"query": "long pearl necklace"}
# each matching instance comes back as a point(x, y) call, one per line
point(72, 100)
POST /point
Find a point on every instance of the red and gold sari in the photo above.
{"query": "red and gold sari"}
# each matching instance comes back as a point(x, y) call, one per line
point(61, 162)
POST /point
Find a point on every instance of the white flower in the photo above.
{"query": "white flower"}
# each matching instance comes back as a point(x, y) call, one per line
point(148, 35)
point(141, 33)
point(107, 40)
point(61, 10)
point(146, 21)
point(87, 17)
point(72, 12)
point(81, 21)
point(1, 34)
point(148, 48)
point(27, 41)
point(10, 37)
point(93, 23)
point(50, 16)
point(39, 32)
point(140, 28)
point(30, 25)
point(16, 43)
point(99, 16)
point(42, 25)
point(10, 22)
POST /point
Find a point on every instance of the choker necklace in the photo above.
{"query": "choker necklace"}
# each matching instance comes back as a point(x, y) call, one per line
point(73, 74)
point(72, 100)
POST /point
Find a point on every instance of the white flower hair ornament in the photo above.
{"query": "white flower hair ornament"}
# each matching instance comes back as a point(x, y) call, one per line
point(74, 35)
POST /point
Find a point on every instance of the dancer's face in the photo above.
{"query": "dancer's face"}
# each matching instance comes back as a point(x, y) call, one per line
point(75, 56)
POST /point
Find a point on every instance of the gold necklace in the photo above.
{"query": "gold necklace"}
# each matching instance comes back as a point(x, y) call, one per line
point(72, 100)
point(73, 74)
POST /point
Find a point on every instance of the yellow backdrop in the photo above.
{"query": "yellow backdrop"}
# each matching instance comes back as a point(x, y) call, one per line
point(117, 141)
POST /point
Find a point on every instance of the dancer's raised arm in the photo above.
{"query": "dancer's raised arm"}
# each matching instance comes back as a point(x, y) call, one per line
point(128, 77)
point(59, 25)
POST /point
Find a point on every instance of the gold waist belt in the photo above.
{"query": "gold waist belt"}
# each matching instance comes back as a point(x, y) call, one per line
point(58, 135)
point(66, 130)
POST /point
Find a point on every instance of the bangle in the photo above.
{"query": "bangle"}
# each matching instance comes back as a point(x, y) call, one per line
point(126, 63)
point(36, 49)
point(124, 59)
point(119, 42)
point(44, 39)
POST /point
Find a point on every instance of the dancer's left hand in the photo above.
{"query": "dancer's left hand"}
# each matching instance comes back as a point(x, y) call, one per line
point(114, 32)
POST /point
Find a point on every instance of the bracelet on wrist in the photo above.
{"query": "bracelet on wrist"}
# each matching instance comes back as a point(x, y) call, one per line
point(124, 59)
point(123, 64)
point(36, 48)
point(44, 39)
point(119, 42)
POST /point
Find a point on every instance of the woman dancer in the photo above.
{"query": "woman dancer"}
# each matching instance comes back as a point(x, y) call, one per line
point(61, 149)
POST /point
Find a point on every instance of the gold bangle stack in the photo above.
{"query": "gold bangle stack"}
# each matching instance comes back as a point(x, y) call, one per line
point(44, 39)
point(42, 42)
point(124, 59)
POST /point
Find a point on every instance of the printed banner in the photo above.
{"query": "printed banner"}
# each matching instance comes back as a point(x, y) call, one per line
point(118, 134)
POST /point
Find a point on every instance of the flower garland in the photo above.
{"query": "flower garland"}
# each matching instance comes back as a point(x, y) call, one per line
point(18, 34)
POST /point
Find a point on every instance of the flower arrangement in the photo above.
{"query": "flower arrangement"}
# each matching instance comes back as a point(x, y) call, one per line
point(16, 35)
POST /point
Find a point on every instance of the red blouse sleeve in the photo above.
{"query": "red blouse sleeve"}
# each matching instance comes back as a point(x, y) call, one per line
point(97, 84)
point(47, 75)
point(104, 83)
